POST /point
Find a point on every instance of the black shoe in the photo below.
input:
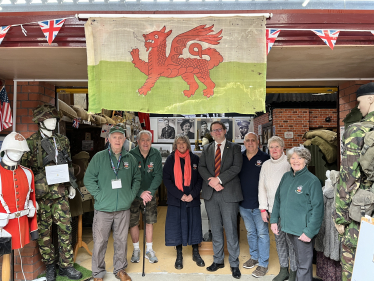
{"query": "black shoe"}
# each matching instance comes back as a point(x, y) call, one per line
point(179, 260)
point(236, 272)
point(215, 266)
point(70, 272)
point(50, 273)
point(196, 257)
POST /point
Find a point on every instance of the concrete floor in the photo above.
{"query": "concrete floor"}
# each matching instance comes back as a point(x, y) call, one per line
point(164, 269)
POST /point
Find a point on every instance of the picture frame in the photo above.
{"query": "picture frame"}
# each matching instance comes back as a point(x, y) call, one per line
point(166, 129)
point(201, 126)
point(187, 127)
point(164, 148)
point(242, 126)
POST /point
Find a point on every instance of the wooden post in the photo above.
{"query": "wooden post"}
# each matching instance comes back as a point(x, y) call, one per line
point(6, 268)
point(80, 243)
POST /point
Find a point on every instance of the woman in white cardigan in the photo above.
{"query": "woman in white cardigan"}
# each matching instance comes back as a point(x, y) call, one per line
point(271, 174)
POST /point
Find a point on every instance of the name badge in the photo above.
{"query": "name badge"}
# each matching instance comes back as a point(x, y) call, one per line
point(57, 174)
point(116, 184)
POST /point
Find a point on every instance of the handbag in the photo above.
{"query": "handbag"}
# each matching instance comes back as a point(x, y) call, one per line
point(5, 242)
point(362, 204)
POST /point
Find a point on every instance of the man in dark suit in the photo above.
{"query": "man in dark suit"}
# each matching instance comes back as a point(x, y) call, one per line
point(219, 166)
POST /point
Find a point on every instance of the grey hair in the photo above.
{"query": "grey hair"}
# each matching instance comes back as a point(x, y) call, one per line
point(184, 139)
point(277, 139)
point(144, 132)
point(300, 151)
point(251, 133)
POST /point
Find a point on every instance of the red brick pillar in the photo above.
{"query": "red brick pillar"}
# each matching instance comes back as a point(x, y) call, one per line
point(29, 96)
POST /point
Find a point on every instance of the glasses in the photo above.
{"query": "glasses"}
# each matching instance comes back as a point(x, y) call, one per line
point(217, 130)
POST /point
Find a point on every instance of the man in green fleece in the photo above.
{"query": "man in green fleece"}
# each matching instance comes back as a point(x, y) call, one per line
point(150, 164)
point(113, 178)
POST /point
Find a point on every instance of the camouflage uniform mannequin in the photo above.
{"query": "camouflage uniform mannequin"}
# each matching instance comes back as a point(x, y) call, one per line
point(52, 199)
point(352, 178)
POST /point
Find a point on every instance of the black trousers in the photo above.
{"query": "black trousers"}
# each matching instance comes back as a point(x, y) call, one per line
point(304, 258)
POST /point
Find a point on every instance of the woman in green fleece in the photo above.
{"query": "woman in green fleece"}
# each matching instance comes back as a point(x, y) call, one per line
point(299, 204)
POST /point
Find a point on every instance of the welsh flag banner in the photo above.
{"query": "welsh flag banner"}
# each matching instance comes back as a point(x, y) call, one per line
point(177, 65)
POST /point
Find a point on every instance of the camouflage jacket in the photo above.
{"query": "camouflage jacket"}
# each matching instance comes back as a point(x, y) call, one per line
point(351, 179)
point(34, 160)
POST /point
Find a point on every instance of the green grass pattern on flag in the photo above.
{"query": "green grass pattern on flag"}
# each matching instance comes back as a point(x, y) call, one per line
point(117, 85)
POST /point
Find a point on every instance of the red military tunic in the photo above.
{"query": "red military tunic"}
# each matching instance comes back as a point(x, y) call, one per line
point(14, 189)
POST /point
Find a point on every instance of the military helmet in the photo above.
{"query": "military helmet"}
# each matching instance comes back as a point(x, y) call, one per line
point(14, 141)
point(45, 111)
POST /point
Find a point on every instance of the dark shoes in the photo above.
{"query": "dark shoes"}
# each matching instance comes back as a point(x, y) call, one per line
point(196, 256)
point(236, 272)
point(282, 275)
point(50, 273)
point(292, 275)
point(179, 260)
point(70, 272)
point(215, 266)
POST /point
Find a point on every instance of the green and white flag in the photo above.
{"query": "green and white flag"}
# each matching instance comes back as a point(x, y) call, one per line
point(179, 66)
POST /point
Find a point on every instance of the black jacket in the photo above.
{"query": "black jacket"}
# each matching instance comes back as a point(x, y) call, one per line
point(174, 194)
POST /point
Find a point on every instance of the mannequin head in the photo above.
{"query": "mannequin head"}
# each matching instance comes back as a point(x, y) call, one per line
point(365, 98)
point(47, 126)
point(14, 145)
point(11, 157)
point(366, 104)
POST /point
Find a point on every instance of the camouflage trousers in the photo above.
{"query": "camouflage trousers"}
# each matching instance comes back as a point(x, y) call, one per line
point(347, 260)
point(150, 211)
point(57, 211)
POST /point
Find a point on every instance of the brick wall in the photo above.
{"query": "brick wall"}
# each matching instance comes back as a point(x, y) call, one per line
point(291, 120)
point(317, 118)
point(297, 121)
point(29, 96)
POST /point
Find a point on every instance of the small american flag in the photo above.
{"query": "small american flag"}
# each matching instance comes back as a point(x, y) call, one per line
point(3, 31)
point(328, 36)
point(51, 28)
point(5, 112)
point(271, 36)
point(76, 122)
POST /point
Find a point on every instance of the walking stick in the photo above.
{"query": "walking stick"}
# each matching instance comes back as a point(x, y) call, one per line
point(143, 274)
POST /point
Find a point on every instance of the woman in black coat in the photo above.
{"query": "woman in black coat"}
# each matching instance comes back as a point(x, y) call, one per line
point(183, 183)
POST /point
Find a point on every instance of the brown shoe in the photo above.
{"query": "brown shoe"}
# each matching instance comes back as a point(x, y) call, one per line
point(122, 275)
point(98, 279)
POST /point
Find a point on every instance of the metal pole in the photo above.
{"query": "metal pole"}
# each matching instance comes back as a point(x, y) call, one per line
point(14, 104)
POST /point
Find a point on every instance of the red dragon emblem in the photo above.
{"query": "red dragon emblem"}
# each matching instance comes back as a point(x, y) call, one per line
point(160, 65)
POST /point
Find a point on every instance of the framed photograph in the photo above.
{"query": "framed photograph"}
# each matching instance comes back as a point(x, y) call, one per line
point(229, 127)
point(203, 125)
point(242, 126)
point(186, 127)
point(165, 150)
point(166, 129)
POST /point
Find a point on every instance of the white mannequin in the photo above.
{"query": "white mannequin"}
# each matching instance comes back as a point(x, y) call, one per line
point(50, 124)
point(11, 157)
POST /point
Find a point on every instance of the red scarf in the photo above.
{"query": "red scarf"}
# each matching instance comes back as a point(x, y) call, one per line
point(178, 169)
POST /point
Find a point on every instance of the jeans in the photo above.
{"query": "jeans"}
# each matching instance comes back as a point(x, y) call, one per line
point(257, 235)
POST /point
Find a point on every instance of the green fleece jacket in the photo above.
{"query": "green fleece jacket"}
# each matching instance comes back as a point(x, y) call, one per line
point(150, 168)
point(99, 176)
point(299, 203)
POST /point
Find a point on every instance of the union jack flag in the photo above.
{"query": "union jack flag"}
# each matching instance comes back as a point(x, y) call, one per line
point(271, 36)
point(76, 122)
point(3, 31)
point(50, 28)
point(5, 112)
point(328, 36)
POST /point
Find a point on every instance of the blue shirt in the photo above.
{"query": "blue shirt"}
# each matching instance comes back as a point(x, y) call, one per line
point(249, 178)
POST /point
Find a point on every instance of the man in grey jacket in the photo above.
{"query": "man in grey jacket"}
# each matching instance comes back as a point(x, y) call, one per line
point(219, 166)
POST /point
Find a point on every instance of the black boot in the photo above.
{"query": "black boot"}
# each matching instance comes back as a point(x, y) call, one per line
point(282, 275)
point(70, 272)
point(179, 260)
point(50, 273)
point(196, 256)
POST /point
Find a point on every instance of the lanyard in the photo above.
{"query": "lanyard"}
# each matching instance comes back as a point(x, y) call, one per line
point(54, 140)
point(111, 162)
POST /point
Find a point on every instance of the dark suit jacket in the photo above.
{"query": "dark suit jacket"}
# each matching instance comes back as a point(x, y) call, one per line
point(231, 166)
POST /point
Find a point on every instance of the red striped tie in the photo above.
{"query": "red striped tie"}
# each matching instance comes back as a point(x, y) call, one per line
point(217, 161)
